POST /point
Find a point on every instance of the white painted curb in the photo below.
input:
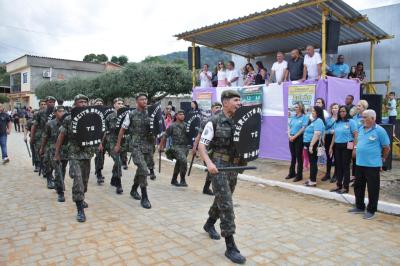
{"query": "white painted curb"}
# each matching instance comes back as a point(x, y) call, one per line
point(383, 206)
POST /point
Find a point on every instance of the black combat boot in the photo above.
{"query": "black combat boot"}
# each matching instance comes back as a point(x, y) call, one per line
point(145, 200)
point(50, 182)
point(134, 192)
point(152, 174)
point(232, 252)
point(85, 205)
point(183, 181)
point(174, 180)
point(100, 177)
point(206, 188)
point(112, 182)
point(118, 185)
point(60, 194)
point(210, 229)
point(80, 216)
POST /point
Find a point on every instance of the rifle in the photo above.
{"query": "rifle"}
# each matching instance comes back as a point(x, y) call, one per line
point(159, 161)
point(33, 153)
point(191, 164)
point(130, 157)
point(27, 147)
point(234, 168)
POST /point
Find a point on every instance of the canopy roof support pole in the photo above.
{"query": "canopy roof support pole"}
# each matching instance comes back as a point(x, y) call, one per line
point(371, 88)
point(323, 43)
point(193, 64)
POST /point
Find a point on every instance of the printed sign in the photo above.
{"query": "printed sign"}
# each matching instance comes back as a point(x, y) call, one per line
point(193, 121)
point(88, 125)
point(301, 93)
point(157, 125)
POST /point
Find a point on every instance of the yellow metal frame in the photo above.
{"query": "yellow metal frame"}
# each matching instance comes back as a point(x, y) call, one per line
point(193, 64)
point(323, 42)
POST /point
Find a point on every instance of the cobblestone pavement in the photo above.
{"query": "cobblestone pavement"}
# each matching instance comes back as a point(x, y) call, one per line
point(274, 226)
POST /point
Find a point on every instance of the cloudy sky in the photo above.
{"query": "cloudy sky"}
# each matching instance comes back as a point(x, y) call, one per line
point(70, 29)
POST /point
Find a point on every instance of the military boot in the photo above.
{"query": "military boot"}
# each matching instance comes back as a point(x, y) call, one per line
point(60, 194)
point(145, 200)
point(206, 188)
point(118, 185)
point(174, 180)
point(80, 216)
point(183, 181)
point(210, 229)
point(232, 252)
point(100, 177)
point(152, 174)
point(113, 180)
point(134, 192)
point(50, 182)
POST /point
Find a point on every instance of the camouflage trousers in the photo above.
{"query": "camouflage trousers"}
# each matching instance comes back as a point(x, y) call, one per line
point(36, 149)
point(223, 185)
point(124, 158)
point(180, 154)
point(59, 174)
point(98, 162)
point(143, 162)
point(116, 170)
point(79, 170)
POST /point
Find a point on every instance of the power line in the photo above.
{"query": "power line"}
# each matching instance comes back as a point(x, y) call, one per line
point(33, 31)
point(17, 48)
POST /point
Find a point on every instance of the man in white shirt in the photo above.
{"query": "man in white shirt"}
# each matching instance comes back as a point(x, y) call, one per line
point(312, 64)
point(278, 68)
point(232, 75)
point(205, 77)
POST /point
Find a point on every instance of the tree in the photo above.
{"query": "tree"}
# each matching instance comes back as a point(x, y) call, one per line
point(122, 59)
point(100, 58)
point(4, 76)
point(90, 58)
point(3, 99)
point(115, 59)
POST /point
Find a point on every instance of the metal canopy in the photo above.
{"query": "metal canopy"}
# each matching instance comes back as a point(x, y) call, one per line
point(285, 28)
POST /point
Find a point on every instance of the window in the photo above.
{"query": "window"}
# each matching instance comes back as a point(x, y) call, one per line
point(25, 77)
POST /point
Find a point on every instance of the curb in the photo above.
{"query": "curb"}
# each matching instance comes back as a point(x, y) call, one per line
point(383, 206)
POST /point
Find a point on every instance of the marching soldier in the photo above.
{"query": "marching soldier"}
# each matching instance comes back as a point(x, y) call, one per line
point(39, 123)
point(142, 143)
point(215, 108)
point(177, 131)
point(109, 141)
point(99, 158)
point(35, 136)
point(47, 149)
point(218, 135)
point(79, 160)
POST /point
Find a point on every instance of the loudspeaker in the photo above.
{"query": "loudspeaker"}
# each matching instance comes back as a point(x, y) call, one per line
point(186, 106)
point(374, 103)
point(332, 36)
point(389, 130)
point(196, 55)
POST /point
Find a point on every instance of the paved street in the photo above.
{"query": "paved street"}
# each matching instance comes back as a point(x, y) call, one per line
point(274, 226)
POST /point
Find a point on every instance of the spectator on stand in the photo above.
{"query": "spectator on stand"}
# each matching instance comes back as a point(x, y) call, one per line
point(352, 74)
point(340, 69)
point(371, 151)
point(205, 77)
point(5, 129)
point(221, 74)
point(172, 107)
point(330, 123)
point(360, 76)
point(250, 76)
point(16, 121)
point(312, 64)
point(344, 139)
point(392, 110)
point(262, 73)
point(350, 106)
point(312, 137)
point(321, 103)
point(278, 69)
point(214, 79)
point(296, 127)
point(232, 75)
point(295, 66)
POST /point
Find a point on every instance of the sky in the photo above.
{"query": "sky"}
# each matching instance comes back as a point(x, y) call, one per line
point(71, 29)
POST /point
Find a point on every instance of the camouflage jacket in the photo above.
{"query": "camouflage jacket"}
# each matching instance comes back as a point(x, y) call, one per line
point(177, 131)
point(222, 141)
point(112, 131)
point(51, 132)
point(75, 151)
point(142, 138)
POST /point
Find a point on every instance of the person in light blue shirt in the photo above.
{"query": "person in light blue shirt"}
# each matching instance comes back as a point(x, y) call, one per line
point(296, 127)
point(371, 151)
point(340, 69)
point(312, 137)
point(344, 137)
point(330, 123)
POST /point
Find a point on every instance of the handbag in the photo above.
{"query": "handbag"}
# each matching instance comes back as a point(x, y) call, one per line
point(320, 149)
point(350, 145)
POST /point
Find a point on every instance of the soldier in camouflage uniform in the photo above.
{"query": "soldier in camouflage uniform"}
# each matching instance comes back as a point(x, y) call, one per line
point(180, 142)
point(215, 108)
point(39, 123)
point(142, 143)
point(79, 160)
point(35, 137)
point(99, 158)
point(218, 135)
point(50, 135)
point(109, 141)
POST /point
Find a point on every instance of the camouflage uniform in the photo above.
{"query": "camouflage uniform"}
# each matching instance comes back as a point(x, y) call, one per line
point(38, 136)
point(40, 123)
point(142, 143)
point(223, 183)
point(177, 131)
point(99, 163)
point(79, 162)
point(111, 141)
point(28, 128)
point(51, 133)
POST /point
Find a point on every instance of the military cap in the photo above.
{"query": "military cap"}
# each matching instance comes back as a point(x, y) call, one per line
point(139, 94)
point(50, 98)
point(81, 97)
point(229, 94)
point(98, 100)
point(180, 111)
point(59, 107)
point(216, 104)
